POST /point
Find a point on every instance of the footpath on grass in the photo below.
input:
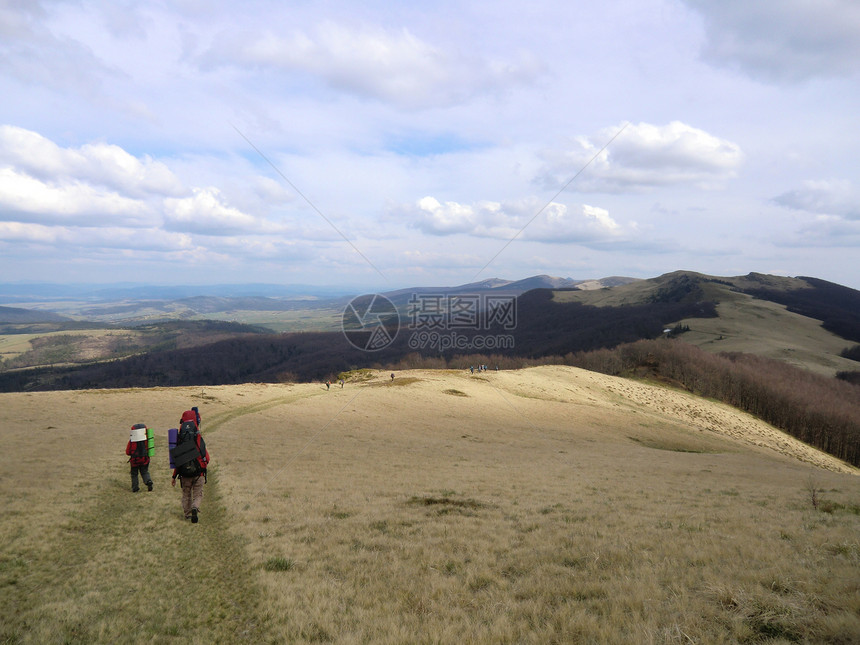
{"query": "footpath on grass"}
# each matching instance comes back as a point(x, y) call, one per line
point(125, 567)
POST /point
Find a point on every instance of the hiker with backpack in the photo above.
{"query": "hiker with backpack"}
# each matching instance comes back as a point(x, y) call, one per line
point(138, 456)
point(190, 458)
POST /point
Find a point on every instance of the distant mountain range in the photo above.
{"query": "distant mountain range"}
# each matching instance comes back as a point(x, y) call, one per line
point(44, 292)
point(18, 315)
point(500, 287)
point(130, 304)
point(803, 321)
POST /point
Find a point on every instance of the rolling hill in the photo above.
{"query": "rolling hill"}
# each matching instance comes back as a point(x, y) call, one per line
point(796, 320)
point(542, 505)
point(803, 321)
point(289, 308)
point(20, 315)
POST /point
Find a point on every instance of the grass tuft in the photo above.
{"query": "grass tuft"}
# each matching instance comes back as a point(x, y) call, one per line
point(279, 564)
point(446, 501)
point(338, 514)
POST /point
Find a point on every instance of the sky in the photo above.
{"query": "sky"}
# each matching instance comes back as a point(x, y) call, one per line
point(387, 144)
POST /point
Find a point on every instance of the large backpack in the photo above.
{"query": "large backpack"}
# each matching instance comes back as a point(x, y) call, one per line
point(140, 454)
point(190, 451)
point(140, 451)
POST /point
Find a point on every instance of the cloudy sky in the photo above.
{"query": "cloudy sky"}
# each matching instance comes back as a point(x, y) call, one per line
point(384, 145)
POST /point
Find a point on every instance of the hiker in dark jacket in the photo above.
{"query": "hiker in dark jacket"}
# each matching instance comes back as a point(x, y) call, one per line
point(192, 486)
point(138, 457)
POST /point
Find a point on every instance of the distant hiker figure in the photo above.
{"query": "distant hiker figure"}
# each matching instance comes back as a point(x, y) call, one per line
point(392, 376)
point(138, 451)
point(472, 369)
point(341, 384)
point(191, 459)
point(328, 385)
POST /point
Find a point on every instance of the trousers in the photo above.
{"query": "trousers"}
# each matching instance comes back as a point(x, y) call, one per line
point(144, 473)
point(192, 493)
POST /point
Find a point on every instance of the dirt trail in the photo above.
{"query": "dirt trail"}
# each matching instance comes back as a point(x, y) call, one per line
point(112, 552)
point(101, 552)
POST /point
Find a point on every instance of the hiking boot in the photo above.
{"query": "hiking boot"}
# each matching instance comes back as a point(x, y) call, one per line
point(194, 516)
point(149, 486)
point(134, 490)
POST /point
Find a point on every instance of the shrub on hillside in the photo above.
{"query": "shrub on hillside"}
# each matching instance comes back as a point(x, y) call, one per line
point(850, 377)
point(852, 353)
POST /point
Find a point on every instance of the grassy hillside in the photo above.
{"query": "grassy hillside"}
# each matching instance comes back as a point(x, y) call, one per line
point(16, 315)
point(821, 411)
point(145, 309)
point(790, 319)
point(751, 325)
point(543, 327)
point(542, 505)
point(29, 346)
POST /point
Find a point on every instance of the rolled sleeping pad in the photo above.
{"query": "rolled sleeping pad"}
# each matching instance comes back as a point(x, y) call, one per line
point(150, 442)
point(171, 443)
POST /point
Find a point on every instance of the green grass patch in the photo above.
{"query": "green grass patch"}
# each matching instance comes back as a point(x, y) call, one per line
point(355, 376)
point(827, 506)
point(446, 502)
point(279, 564)
point(397, 382)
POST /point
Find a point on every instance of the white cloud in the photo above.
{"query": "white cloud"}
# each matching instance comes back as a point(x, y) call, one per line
point(484, 219)
point(827, 197)
point(783, 40)
point(643, 156)
point(114, 109)
point(525, 220)
point(95, 163)
point(601, 216)
point(31, 53)
point(100, 184)
point(29, 233)
point(112, 238)
point(584, 224)
point(436, 218)
point(115, 167)
point(824, 231)
point(30, 199)
point(390, 65)
point(205, 212)
point(254, 248)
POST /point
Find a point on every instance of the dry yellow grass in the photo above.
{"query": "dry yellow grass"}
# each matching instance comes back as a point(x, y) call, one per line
point(541, 505)
point(13, 345)
point(746, 324)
